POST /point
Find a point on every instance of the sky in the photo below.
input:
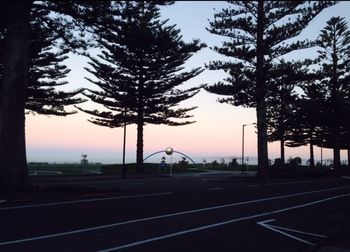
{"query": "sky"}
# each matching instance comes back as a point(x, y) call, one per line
point(217, 132)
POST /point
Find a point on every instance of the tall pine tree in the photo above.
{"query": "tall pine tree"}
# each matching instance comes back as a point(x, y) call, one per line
point(64, 18)
point(334, 74)
point(257, 33)
point(45, 70)
point(139, 71)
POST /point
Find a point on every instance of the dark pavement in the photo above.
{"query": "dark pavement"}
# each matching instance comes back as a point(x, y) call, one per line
point(214, 212)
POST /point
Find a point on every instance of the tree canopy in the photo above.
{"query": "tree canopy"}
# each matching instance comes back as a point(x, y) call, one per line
point(139, 71)
point(258, 36)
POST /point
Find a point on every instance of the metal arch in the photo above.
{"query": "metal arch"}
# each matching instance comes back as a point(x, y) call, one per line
point(153, 154)
point(157, 152)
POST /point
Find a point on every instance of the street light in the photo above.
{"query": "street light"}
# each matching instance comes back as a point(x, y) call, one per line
point(243, 142)
point(169, 151)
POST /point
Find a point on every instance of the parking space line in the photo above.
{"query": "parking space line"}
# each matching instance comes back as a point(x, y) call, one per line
point(85, 201)
point(215, 189)
point(184, 213)
point(129, 245)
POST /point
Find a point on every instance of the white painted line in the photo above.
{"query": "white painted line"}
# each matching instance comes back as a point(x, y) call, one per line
point(2, 201)
point(298, 231)
point(278, 230)
point(346, 177)
point(215, 189)
point(86, 200)
point(300, 182)
point(217, 225)
point(177, 214)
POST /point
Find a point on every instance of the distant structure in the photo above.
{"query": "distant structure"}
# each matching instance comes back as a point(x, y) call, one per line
point(84, 160)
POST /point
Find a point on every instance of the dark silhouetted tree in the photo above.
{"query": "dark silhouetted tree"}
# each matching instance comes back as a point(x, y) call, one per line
point(257, 33)
point(281, 101)
point(139, 71)
point(334, 54)
point(45, 70)
point(64, 18)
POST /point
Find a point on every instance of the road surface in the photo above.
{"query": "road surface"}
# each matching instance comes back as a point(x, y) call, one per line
point(180, 214)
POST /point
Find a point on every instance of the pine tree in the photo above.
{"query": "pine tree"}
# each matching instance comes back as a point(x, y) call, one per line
point(138, 73)
point(13, 172)
point(64, 18)
point(281, 102)
point(257, 33)
point(45, 70)
point(334, 55)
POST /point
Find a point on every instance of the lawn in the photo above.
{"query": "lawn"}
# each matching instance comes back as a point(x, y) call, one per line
point(106, 169)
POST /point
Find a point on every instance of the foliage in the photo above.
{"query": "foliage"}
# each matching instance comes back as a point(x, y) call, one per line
point(139, 70)
point(63, 19)
point(256, 32)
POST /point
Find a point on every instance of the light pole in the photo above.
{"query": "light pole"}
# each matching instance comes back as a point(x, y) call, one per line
point(243, 142)
point(169, 151)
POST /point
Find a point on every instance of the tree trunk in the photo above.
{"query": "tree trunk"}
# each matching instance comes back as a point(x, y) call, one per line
point(336, 151)
point(140, 123)
point(139, 151)
point(260, 96)
point(282, 151)
point(13, 172)
point(312, 158)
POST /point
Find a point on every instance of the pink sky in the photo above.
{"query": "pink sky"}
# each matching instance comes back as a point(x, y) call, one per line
point(218, 131)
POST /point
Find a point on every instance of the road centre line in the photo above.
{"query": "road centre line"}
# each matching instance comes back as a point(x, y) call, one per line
point(219, 224)
point(171, 215)
point(300, 182)
point(85, 200)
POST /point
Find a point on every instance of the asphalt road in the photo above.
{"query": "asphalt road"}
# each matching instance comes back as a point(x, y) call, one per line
point(181, 214)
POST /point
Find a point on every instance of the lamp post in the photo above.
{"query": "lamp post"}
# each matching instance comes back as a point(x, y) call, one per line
point(169, 151)
point(243, 142)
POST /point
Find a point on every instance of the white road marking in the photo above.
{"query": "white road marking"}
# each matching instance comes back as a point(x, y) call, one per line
point(2, 201)
point(346, 177)
point(85, 200)
point(300, 182)
point(218, 224)
point(184, 213)
point(215, 189)
point(278, 230)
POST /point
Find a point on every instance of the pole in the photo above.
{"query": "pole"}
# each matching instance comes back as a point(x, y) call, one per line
point(124, 144)
point(243, 146)
point(171, 165)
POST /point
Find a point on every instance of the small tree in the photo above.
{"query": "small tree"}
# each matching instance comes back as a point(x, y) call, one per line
point(139, 71)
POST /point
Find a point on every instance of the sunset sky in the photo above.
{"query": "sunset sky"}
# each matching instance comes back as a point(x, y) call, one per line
point(217, 132)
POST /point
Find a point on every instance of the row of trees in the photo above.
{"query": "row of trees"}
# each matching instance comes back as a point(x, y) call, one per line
point(138, 70)
point(298, 102)
point(140, 67)
point(319, 115)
